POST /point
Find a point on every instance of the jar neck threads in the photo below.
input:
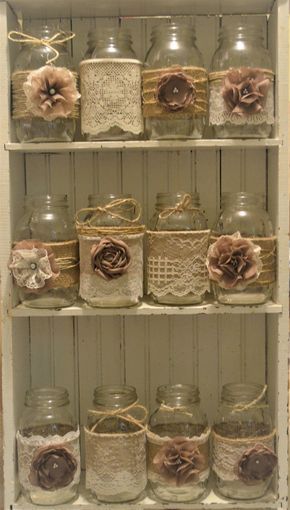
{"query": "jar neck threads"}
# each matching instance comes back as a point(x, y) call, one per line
point(173, 31)
point(243, 199)
point(47, 397)
point(241, 32)
point(234, 394)
point(114, 396)
point(177, 395)
point(172, 199)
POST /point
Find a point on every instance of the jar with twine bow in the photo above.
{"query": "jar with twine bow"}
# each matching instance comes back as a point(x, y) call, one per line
point(243, 442)
point(177, 244)
point(115, 441)
point(44, 86)
point(241, 259)
point(111, 251)
point(178, 444)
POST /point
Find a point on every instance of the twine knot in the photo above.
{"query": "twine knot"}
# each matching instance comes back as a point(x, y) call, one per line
point(91, 214)
point(123, 413)
point(58, 38)
point(180, 207)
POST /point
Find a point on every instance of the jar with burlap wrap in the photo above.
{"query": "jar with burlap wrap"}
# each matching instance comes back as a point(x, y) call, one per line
point(241, 258)
point(44, 87)
point(178, 445)
point(44, 259)
point(111, 87)
point(174, 84)
point(111, 251)
point(243, 442)
point(176, 250)
point(115, 441)
point(241, 84)
point(48, 448)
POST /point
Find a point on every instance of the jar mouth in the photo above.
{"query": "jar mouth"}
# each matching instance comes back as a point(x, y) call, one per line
point(240, 31)
point(171, 29)
point(242, 393)
point(52, 200)
point(47, 31)
point(115, 395)
point(177, 394)
point(106, 34)
point(173, 198)
point(106, 198)
point(241, 198)
point(47, 397)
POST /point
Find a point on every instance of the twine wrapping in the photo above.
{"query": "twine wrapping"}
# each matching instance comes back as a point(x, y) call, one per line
point(58, 38)
point(67, 258)
point(239, 408)
point(122, 413)
point(220, 75)
point(197, 76)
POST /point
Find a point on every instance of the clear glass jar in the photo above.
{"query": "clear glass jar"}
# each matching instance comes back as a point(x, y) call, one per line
point(32, 57)
point(245, 213)
point(173, 45)
point(114, 429)
point(46, 219)
point(243, 422)
point(48, 447)
point(178, 444)
point(241, 46)
point(170, 216)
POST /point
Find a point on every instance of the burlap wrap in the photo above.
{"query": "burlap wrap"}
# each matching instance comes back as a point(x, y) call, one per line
point(67, 258)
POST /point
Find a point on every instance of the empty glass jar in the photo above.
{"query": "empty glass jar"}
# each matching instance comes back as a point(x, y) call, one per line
point(243, 443)
point(178, 444)
point(241, 84)
point(174, 84)
point(48, 448)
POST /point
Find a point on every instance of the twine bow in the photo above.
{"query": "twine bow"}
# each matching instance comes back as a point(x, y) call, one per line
point(123, 414)
point(183, 205)
point(239, 408)
point(58, 38)
point(112, 209)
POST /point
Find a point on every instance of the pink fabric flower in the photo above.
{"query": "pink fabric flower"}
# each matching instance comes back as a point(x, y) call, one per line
point(110, 258)
point(256, 464)
point(245, 90)
point(175, 91)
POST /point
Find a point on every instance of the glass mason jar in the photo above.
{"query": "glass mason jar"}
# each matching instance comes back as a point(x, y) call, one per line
point(241, 84)
point(245, 277)
point(32, 57)
point(115, 445)
point(174, 65)
point(48, 448)
point(46, 219)
point(115, 103)
point(171, 214)
point(178, 444)
point(243, 429)
point(111, 257)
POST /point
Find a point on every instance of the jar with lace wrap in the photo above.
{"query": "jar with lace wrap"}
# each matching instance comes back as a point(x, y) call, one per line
point(178, 444)
point(111, 87)
point(241, 84)
point(111, 251)
point(48, 448)
point(115, 441)
point(174, 84)
point(241, 259)
point(44, 259)
point(243, 442)
point(44, 87)
point(176, 250)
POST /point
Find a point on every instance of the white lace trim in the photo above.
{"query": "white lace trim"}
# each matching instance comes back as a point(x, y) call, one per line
point(30, 267)
point(111, 95)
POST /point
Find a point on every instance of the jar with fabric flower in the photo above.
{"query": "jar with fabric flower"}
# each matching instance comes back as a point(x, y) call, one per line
point(243, 442)
point(115, 441)
point(44, 259)
point(174, 84)
point(111, 251)
point(48, 448)
point(44, 87)
point(178, 444)
point(241, 259)
point(241, 84)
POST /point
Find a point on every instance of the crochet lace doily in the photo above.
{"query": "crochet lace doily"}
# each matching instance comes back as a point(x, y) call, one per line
point(111, 95)
point(176, 263)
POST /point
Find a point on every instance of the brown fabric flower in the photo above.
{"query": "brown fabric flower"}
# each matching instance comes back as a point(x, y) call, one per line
point(256, 464)
point(233, 262)
point(175, 91)
point(245, 90)
point(52, 468)
point(51, 92)
point(179, 461)
point(110, 258)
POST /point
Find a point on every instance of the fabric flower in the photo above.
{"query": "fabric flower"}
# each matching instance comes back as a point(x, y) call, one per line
point(110, 258)
point(52, 468)
point(256, 464)
point(51, 92)
point(179, 461)
point(175, 91)
point(33, 266)
point(245, 90)
point(233, 262)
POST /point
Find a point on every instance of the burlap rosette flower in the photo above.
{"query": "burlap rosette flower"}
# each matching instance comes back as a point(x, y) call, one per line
point(245, 91)
point(52, 468)
point(175, 91)
point(110, 258)
point(233, 262)
point(51, 92)
point(33, 266)
point(256, 464)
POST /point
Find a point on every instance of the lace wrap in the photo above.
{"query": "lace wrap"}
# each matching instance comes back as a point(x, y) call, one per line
point(176, 262)
point(29, 447)
point(111, 95)
point(116, 464)
point(227, 453)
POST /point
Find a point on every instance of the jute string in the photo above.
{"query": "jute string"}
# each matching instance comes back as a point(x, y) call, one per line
point(58, 38)
point(220, 75)
point(123, 414)
point(239, 408)
point(183, 205)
